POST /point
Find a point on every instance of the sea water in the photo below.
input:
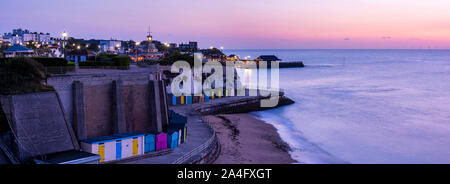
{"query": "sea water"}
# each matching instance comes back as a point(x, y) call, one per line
point(364, 106)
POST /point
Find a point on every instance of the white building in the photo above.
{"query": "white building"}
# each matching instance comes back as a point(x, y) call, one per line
point(109, 45)
point(44, 38)
point(16, 39)
point(114, 45)
point(37, 37)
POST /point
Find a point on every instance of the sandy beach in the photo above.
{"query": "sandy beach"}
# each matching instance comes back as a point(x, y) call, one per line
point(246, 140)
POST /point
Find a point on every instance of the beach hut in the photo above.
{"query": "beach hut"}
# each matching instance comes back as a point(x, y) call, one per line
point(150, 143)
point(178, 100)
point(184, 133)
point(183, 128)
point(161, 141)
point(172, 100)
point(172, 139)
point(196, 99)
point(115, 147)
point(179, 137)
point(188, 99)
point(182, 100)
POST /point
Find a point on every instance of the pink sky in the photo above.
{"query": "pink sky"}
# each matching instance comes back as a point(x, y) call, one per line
point(286, 24)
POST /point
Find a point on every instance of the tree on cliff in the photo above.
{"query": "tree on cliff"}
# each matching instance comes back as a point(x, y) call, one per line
point(177, 56)
point(22, 75)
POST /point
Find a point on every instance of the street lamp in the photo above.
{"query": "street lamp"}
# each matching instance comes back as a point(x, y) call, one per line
point(118, 48)
point(64, 35)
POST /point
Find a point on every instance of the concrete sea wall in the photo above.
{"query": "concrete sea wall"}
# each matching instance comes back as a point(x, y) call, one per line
point(103, 104)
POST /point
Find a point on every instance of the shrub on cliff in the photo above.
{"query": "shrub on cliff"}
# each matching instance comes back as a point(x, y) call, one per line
point(177, 56)
point(121, 61)
point(22, 75)
point(51, 61)
point(105, 57)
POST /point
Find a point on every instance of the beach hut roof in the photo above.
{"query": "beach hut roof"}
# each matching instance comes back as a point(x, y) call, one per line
point(17, 48)
point(69, 157)
point(115, 137)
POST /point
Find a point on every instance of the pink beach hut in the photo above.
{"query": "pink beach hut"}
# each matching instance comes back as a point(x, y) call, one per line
point(161, 141)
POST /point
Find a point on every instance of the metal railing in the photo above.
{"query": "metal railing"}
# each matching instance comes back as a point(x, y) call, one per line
point(199, 149)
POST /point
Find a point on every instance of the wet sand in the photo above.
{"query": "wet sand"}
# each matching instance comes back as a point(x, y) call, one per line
point(244, 139)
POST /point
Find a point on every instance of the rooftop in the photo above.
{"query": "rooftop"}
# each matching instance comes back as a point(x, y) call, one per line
point(115, 137)
point(18, 48)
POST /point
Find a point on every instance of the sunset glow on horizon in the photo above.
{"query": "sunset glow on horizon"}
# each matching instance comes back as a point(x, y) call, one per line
point(249, 24)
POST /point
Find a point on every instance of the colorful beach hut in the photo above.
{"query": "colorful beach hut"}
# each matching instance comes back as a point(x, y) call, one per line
point(161, 141)
point(115, 147)
point(182, 127)
point(188, 99)
point(172, 139)
point(150, 143)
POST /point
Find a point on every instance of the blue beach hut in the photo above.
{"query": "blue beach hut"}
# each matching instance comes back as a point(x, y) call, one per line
point(150, 143)
point(188, 99)
point(172, 139)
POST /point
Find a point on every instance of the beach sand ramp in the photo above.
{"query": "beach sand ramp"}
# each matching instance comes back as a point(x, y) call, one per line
point(38, 124)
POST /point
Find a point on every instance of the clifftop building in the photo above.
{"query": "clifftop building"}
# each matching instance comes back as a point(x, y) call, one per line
point(20, 36)
point(188, 47)
point(112, 46)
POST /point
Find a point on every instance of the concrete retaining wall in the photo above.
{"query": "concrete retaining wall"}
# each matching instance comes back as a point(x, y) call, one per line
point(38, 124)
point(101, 105)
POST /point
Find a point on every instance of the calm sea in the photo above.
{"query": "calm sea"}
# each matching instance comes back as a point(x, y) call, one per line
point(364, 106)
